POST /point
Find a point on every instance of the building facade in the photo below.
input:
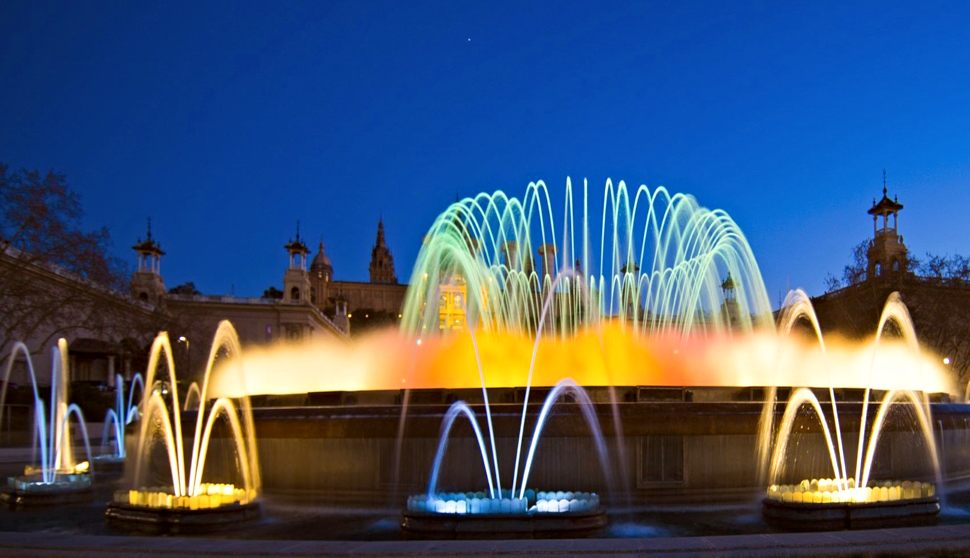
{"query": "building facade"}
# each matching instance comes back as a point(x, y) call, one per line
point(355, 305)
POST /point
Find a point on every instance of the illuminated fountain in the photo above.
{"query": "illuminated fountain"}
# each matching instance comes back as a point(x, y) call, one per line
point(659, 270)
point(115, 421)
point(661, 262)
point(189, 498)
point(671, 297)
point(844, 500)
point(54, 476)
point(581, 510)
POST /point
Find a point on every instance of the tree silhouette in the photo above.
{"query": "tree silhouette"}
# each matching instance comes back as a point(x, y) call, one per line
point(56, 279)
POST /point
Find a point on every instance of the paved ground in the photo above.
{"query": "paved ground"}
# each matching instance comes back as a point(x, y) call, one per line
point(914, 541)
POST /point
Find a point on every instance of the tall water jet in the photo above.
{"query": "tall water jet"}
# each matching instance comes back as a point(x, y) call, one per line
point(660, 264)
point(662, 260)
point(54, 476)
point(660, 268)
point(189, 491)
point(558, 511)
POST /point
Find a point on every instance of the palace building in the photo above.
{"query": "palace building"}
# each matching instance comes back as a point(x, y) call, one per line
point(110, 332)
point(312, 302)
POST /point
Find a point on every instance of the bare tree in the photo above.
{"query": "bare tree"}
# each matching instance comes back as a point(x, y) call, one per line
point(57, 279)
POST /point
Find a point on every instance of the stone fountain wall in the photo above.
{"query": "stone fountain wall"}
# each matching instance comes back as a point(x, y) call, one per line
point(669, 451)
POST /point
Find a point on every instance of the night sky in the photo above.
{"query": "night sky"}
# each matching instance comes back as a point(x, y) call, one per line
point(228, 122)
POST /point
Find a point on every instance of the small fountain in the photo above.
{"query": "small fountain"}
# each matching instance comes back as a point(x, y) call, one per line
point(54, 477)
point(845, 501)
point(513, 511)
point(189, 500)
point(115, 421)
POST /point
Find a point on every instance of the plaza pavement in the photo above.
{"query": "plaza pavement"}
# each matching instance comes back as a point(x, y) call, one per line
point(913, 541)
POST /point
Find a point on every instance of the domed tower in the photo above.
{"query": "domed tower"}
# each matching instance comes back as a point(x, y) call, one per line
point(146, 283)
point(887, 255)
point(296, 280)
point(321, 268)
point(381, 261)
point(321, 274)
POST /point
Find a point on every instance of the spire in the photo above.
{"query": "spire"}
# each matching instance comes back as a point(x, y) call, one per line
point(148, 246)
point(380, 231)
point(381, 261)
point(146, 282)
point(885, 206)
point(296, 246)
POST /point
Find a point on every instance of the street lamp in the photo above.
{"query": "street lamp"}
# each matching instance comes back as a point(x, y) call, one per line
point(188, 353)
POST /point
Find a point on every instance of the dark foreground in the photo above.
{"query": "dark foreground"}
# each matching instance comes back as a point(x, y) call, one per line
point(913, 541)
point(302, 525)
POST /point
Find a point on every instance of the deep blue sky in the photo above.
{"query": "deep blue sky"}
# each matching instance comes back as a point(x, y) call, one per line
point(227, 122)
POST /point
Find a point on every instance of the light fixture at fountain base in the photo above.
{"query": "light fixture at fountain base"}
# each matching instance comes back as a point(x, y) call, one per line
point(477, 515)
point(209, 496)
point(30, 490)
point(157, 510)
point(826, 505)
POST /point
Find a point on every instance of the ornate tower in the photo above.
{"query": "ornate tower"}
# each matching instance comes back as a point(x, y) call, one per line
point(321, 268)
point(381, 261)
point(296, 280)
point(887, 255)
point(321, 274)
point(730, 311)
point(146, 282)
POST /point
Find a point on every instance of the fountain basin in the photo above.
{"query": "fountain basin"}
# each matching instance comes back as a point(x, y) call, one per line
point(179, 520)
point(821, 505)
point(30, 490)
point(475, 515)
point(159, 511)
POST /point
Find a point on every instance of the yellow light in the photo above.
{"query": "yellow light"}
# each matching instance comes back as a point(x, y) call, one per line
point(829, 491)
point(946, 361)
point(82, 467)
point(209, 496)
point(601, 356)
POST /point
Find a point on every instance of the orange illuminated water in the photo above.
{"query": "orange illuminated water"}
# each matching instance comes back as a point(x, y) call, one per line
point(596, 356)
